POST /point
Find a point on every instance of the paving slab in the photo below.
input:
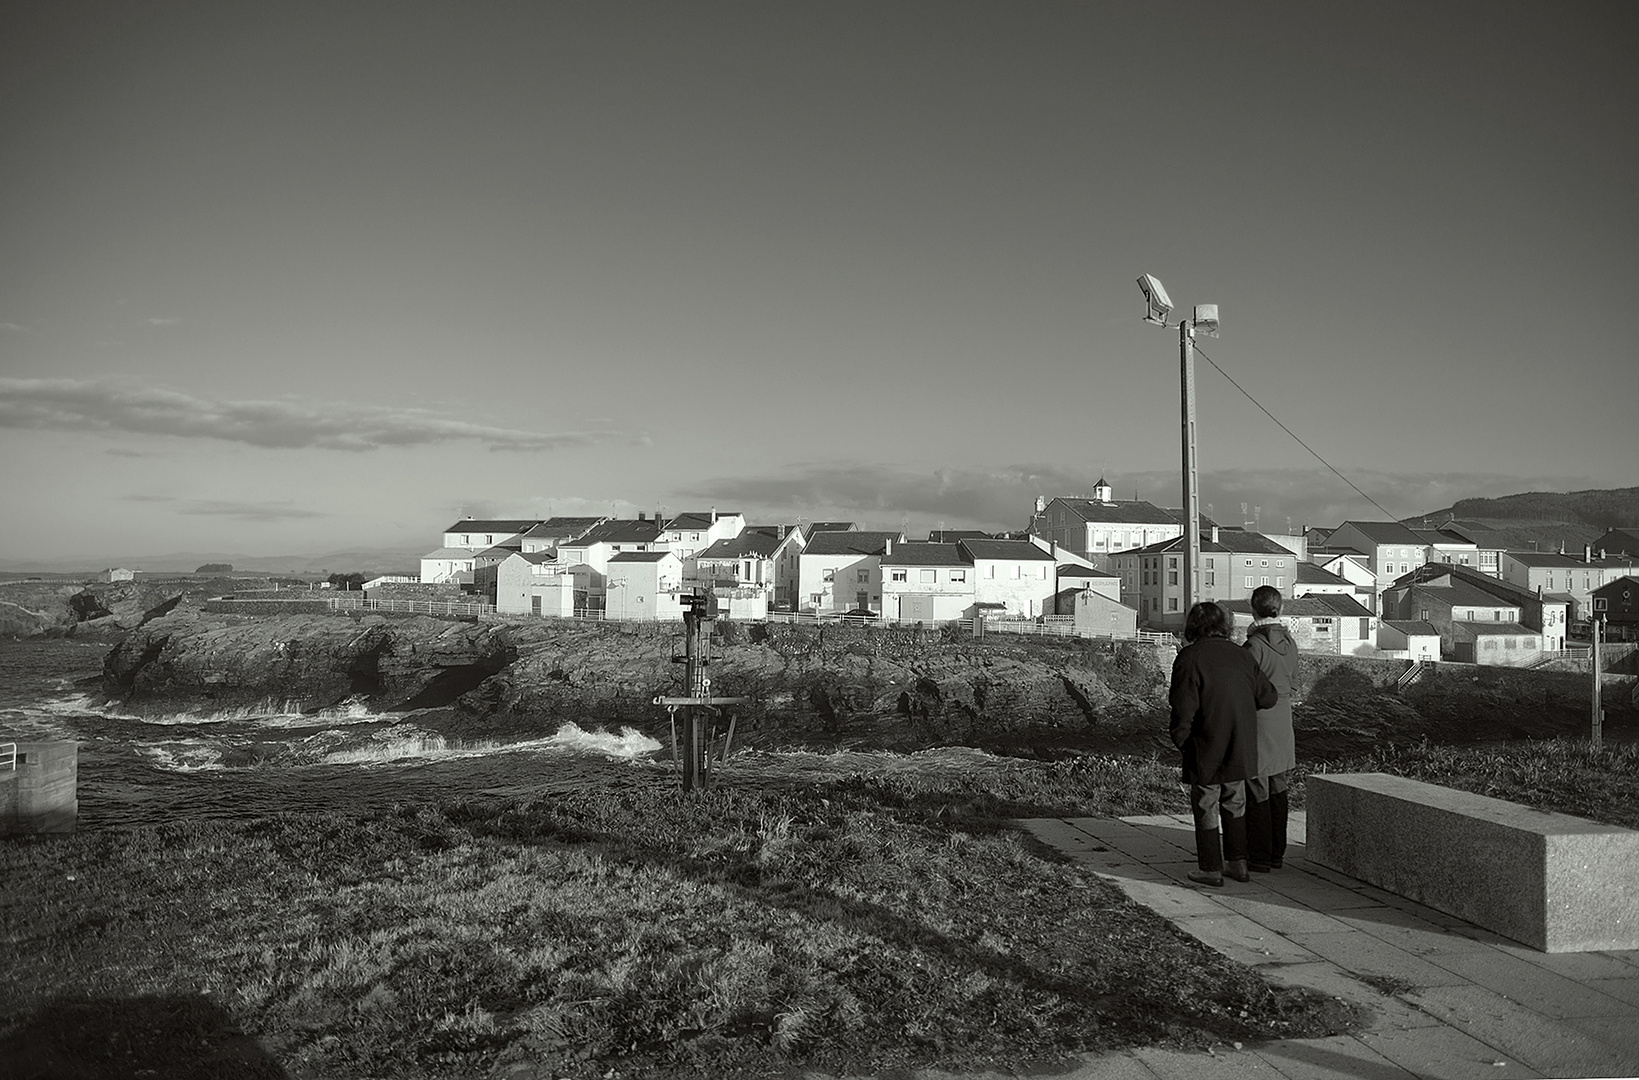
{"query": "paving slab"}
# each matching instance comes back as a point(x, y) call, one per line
point(1626, 989)
point(1225, 1064)
point(1617, 1032)
point(1385, 1012)
point(1281, 913)
point(1410, 932)
point(1444, 1053)
point(1377, 960)
point(1340, 1057)
point(1244, 940)
point(1553, 1047)
point(1532, 986)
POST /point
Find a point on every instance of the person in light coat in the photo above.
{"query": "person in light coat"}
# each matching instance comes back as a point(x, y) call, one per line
point(1276, 655)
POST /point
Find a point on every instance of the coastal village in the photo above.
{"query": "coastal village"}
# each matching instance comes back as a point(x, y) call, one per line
point(1092, 565)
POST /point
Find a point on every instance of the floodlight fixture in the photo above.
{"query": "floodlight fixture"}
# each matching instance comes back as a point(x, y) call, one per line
point(1206, 318)
point(1155, 295)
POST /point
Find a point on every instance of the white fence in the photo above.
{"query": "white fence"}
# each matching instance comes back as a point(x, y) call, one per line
point(1058, 629)
point(410, 607)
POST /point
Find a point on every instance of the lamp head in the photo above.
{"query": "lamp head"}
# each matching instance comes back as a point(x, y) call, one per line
point(1206, 318)
point(1155, 295)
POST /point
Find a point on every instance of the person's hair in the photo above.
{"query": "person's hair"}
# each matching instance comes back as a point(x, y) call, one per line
point(1266, 602)
point(1206, 619)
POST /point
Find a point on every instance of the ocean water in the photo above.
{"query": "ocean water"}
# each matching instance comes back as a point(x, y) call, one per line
point(137, 769)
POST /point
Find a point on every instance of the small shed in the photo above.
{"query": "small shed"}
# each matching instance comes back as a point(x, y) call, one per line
point(119, 573)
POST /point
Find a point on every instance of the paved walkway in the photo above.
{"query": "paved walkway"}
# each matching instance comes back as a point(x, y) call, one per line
point(1447, 1000)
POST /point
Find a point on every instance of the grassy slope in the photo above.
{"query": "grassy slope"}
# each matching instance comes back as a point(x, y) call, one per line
point(854, 923)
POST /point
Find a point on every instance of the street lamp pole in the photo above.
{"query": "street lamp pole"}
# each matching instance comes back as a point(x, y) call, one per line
point(1191, 480)
point(1206, 318)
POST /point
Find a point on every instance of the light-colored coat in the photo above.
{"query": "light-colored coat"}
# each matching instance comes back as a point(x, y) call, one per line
point(1277, 656)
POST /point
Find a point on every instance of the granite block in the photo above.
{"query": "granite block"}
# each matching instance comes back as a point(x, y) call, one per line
point(1554, 882)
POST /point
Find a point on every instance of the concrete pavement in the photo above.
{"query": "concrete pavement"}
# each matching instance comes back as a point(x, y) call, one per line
point(1447, 1000)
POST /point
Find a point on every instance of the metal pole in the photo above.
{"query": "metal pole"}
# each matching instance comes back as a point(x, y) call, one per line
point(1598, 706)
point(1192, 493)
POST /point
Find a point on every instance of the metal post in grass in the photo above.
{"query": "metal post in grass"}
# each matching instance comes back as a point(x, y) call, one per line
point(1598, 705)
point(692, 739)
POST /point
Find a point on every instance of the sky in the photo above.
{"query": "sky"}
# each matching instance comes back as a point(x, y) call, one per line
point(303, 277)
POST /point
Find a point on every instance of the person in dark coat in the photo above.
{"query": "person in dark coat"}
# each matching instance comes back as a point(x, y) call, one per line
point(1266, 790)
point(1216, 693)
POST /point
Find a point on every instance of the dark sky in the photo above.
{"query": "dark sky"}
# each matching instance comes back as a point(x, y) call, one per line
point(292, 277)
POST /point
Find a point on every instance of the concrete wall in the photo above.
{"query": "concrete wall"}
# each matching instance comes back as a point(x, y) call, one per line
point(41, 794)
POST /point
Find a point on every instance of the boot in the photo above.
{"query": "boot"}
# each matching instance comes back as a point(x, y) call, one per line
point(1258, 835)
point(1235, 848)
point(1210, 857)
point(1277, 828)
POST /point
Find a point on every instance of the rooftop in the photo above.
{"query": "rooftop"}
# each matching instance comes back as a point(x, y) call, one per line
point(642, 556)
point(493, 525)
point(920, 553)
point(754, 543)
point(1381, 532)
point(858, 542)
point(619, 532)
point(1136, 512)
point(1019, 550)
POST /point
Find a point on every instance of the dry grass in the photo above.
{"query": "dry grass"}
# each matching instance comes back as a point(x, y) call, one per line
point(855, 924)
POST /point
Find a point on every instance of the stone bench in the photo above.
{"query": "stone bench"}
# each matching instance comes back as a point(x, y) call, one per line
point(1554, 882)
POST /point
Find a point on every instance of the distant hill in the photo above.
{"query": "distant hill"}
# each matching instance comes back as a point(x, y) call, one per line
point(366, 560)
point(1542, 520)
point(1611, 508)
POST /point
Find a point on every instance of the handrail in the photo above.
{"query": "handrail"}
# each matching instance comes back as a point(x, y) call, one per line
point(8, 756)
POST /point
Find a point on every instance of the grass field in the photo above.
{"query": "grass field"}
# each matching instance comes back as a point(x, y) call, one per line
point(861, 922)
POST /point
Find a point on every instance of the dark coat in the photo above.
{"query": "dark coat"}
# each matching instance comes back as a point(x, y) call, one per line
point(1217, 691)
point(1277, 657)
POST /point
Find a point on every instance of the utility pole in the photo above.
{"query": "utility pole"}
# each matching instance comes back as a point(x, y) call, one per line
point(1598, 705)
point(1192, 488)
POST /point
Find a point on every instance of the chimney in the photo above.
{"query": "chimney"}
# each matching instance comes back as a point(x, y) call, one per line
point(1041, 504)
point(1214, 534)
point(1587, 553)
point(714, 515)
point(641, 516)
point(887, 545)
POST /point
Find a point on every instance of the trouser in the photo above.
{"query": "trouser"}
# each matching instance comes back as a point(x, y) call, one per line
point(1211, 805)
point(1266, 811)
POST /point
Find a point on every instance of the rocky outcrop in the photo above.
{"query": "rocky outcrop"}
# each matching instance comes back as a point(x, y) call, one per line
point(32, 608)
point(876, 686)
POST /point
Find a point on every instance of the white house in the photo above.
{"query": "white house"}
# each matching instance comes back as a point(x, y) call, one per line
point(547, 535)
point(926, 583)
point(739, 571)
point(1102, 524)
point(1017, 574)
point(691, 532)
point(587, 556)
point(479, 533)
point(1408, 639)
point(528, 583)
point(842, 571)
point(644, 585)
point(1099, 615)
point(1390, 550)
point(448, 564)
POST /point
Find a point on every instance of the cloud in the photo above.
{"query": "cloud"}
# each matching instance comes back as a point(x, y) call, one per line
point(1003, 498)
point(162, 321)
point(16, 328)
point(243, 511)
point(77, 405)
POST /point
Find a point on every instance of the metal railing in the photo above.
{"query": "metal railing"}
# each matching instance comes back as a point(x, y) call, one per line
point(1411, 674)
point(411, 607)
point(8, 756)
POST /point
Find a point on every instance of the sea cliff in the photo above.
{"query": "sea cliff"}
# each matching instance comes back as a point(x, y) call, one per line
point(857, 686)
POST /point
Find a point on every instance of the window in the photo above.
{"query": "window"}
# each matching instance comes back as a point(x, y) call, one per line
point(990, 571)
point(896, 575)
point(862, 576)
point(958, 575)
point(1263, 562)
point(1263, 580)
point(1496, 616)
point(1249, 562)
point(1280, 582)
point(814, 598)
point(694, 536)
point(1249, 581)
point(929, 576)
point(1210, 579)
point(829, 575)
point(1015, 571)
point(1172, 603)
point(1490, 643)
point(1172, 563)
point(1172, 577)
point(1280, 563)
